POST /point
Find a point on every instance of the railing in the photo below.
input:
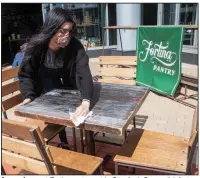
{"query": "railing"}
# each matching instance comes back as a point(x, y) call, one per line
point(191, 27)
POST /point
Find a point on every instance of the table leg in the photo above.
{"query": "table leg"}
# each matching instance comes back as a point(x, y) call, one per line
point(81, 141)
point(74, 139)
point(90, 146)
point(3, 172)
point(89, 141)
point(116, 168)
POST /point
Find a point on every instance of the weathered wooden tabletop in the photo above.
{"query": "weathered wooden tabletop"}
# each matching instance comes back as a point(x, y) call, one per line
point(112, 113)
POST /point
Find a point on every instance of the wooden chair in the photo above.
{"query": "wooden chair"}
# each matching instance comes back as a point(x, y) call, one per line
point(118, 69)
point(12, 97)
point(23, 146)
point(187, 81)
point(191, 82)
point(158, 151)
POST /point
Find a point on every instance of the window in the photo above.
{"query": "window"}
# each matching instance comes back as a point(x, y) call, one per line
point(181, 14)
point(147, 9)
point(45, 10)
point(188, 17)
point(90, 19)
point(169, 14)
point(112, 22)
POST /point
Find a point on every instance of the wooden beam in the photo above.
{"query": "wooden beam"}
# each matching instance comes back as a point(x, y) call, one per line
point(20, 146)
point(118, 81)
point(10, 88)
point(118, 72)
point(9, 73)
point(11, 102)
point(118, 60)
point(192, 27)
point(17, 129)
point(24, 163)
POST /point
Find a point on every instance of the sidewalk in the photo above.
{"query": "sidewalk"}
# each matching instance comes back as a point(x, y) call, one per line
point(190, 69)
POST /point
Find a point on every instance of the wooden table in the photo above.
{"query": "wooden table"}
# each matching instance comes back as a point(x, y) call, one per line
point(114, 107)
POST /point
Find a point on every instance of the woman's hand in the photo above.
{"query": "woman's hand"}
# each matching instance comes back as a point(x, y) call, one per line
point(83, 109)
point(26, 101)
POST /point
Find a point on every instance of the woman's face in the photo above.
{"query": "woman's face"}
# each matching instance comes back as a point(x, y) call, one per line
point(63, 36)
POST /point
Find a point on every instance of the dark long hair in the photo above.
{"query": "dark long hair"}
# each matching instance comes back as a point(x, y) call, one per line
point(53, 21)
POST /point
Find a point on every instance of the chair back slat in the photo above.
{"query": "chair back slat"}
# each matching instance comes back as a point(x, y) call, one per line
point(24, 163)
point(19, 146)
point(118, 72)
point(118, 60)
point(12, 101)
point(17, 129)
point(9, 73)
point(118, 81)
point(10, 88)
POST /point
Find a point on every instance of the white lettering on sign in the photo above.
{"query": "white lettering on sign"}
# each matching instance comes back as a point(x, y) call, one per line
point(160, 53)
point(163, 70)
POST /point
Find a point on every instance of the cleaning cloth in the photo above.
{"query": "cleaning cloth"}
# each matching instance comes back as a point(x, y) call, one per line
point(80, 119)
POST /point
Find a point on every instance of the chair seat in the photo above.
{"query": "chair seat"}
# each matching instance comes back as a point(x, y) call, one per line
point(48, 130)
point(70, 162)
point(154, 150)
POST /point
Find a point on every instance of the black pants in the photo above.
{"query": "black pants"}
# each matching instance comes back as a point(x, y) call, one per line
point(50, 81)
point(63, 136)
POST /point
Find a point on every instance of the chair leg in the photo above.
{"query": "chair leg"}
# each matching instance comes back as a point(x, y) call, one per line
point(81, 141)
point(74, 139)
point(134, 123)
point(133, 171)
point(3, 172)
point(125, 135)
point(5, 115)
point(101, 170)
point(185, 91)
point(116, 168)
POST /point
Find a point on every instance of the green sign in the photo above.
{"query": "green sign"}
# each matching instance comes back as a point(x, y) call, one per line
point(159, 63)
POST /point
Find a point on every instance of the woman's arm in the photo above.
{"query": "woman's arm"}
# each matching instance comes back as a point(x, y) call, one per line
point(84, 74)
point(27, 78)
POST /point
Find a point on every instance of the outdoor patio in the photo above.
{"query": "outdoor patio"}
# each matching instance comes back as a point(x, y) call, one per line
point(140, 116)
point(157, 113)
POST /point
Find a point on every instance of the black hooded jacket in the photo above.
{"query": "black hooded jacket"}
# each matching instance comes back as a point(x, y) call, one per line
point(75, 64)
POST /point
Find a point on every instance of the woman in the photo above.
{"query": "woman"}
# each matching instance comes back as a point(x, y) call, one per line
point(55, 58)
